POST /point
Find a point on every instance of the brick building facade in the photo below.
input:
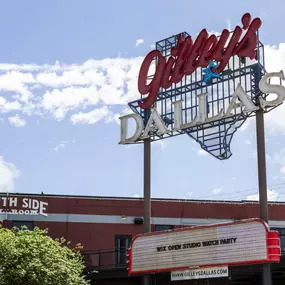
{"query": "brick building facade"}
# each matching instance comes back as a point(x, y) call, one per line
point(106, 225)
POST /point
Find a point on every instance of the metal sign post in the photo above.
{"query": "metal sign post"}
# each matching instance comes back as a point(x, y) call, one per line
point(262, 181)
point(147, 196)
point(147, 185)
point(147, 188)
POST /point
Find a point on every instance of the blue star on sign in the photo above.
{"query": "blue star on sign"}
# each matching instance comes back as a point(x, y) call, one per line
point(210, 72)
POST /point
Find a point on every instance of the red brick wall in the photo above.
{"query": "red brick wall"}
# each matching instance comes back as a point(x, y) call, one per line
point(102, 236)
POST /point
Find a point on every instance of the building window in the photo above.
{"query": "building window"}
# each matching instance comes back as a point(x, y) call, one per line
point(19, 224)
point(122, 244)
point(159, 228)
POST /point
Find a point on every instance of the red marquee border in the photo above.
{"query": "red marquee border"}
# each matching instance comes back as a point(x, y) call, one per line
point(273, 247)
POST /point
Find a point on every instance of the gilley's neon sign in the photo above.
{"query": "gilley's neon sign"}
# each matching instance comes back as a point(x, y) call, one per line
point(227, 106)
point(188, 55)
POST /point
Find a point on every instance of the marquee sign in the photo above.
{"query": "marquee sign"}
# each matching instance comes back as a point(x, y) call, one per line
point(235, 243)
point(188, 55)
point(204, 88)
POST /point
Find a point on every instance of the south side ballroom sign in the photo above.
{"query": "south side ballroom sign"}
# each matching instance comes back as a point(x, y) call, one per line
point(22, 206)
point(184, 59)
point(235, 243)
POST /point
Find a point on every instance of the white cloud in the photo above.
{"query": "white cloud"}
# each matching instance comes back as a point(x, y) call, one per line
point(111, 95)
point(214, 33)
point(246, 124)
point(279, 159)
point(229, 25)
point(17, 121)
point(139, 42)
point(272, 195)
point(217, 191)
point(125, 111)
point(91, 117)
point(19, 67)
point(248, 142)
point(62, 145)
point(8, 173)
point(15, 81)
point(199, 151)
point(136, 196)
point(62, 90)
point(161, 143)
point(202, 152)
point(59, 102)
point(67, 88)
point(6, 107)
point(274, 62)
point(189, 195)
point(52, 79)
point(59, 146)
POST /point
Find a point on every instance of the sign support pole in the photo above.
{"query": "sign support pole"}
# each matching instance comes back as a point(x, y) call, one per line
point(147, 196)
point(262, 183)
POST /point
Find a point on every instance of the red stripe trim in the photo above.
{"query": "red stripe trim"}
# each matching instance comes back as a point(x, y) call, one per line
point(273, 246)
point(202, 227)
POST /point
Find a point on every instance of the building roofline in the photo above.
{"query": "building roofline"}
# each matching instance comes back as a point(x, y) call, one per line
point(136, 198)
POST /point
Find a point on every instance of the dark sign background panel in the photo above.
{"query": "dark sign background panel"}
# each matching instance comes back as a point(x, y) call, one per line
point(245, 242)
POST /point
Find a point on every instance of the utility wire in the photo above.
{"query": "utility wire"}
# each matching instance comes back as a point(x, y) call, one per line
point(249, 191)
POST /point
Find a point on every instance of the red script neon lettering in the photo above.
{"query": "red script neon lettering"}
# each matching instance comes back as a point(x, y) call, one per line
point(188, 55)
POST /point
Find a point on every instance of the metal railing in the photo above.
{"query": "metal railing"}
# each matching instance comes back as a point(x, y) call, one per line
point(106, 259)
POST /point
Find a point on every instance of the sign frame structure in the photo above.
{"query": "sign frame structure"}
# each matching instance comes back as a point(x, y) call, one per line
point(183, 95)
point(176, 59)
point(271, 243)
point(185, 103)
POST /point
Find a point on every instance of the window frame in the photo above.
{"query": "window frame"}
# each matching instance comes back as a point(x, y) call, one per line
point(122, 254)
point(167, 228)
point(29, 224)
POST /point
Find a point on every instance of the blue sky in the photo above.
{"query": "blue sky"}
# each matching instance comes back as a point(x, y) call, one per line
point(62, 68)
